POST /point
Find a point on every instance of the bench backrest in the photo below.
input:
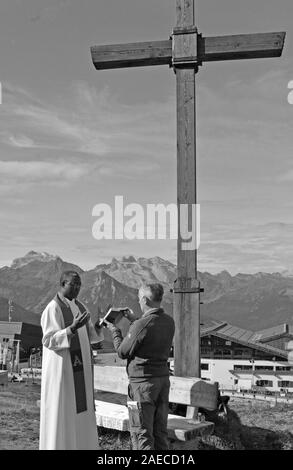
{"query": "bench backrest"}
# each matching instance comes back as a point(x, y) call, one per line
point(184, 390)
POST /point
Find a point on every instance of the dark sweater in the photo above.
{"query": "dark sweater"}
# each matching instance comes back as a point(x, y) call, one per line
point(147, 345)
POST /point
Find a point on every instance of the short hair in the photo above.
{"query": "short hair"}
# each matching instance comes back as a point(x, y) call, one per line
point(153, 292)
point(66, 275)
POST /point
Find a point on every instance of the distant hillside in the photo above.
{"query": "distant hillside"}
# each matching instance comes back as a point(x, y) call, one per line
point(252, 301)
point(19, 313)
point(32, 281)
point(132, 272)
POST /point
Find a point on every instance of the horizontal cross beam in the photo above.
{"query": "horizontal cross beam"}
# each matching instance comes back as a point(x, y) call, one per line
point(135, 54)
point(241, 46)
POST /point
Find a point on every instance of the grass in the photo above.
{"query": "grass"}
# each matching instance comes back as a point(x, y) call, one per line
point(248, 425)
point(252, 425)
point(19, 416)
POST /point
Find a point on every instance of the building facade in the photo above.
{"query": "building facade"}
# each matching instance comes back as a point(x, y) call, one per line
point(29, 335)
point(244, 360)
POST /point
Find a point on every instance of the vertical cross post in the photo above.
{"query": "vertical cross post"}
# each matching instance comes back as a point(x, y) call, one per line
point(186, 288)
point(186, 51)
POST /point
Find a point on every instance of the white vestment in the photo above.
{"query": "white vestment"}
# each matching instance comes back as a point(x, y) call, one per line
point(61, 427)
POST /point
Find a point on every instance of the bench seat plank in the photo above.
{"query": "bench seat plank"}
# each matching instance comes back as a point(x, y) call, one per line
point(113, 416)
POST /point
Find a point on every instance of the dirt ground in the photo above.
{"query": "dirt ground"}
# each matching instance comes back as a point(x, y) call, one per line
point(248, 425)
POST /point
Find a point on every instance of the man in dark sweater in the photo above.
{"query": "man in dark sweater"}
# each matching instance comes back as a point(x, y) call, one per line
point(147, 348)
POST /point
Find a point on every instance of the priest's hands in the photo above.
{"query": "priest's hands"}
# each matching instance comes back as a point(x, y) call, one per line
point(79, 320)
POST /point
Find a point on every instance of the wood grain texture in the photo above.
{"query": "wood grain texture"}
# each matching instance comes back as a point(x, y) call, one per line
point(241, 46)
point(186, 164)
point(181, 431)
point(192, 413)
point(186, 305)
point(185, 13)
point(184, 390)
point(186, 343)
point(132, 55)
point(184, 48)
point(247, 46)
point(236, 47)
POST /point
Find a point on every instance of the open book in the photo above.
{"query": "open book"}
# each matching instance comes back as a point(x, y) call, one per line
point(114, 315)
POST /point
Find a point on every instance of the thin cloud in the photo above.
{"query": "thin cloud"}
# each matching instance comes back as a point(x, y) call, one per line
point(247, 248)
point(285, 177)
point(92, 123)
point(242, 147)
point(38, 171)
point(133, 169)
point(20, 141)
point(51, 12)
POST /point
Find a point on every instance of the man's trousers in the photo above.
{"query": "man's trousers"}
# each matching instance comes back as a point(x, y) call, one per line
point(149, 415)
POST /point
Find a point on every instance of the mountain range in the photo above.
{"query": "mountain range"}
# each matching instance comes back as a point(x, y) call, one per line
point(251, 301)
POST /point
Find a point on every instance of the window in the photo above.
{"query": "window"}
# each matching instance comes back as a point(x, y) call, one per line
point(235, 381)
point(264, 383)
point(285, 383)
point(228, 343)
point(227, 352)
point(206, 342)
point(264, 367)
point(218, 352)
point(242, 367)
point(284, 368)
point(247, 352)
point(218, 341)
point(205, 351)
point(238, 352)
point(204, 366)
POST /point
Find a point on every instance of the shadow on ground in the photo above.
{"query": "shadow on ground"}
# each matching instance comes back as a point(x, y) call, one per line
point(231, 434)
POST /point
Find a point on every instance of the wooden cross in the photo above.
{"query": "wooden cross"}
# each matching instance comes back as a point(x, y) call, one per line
point(185, 51)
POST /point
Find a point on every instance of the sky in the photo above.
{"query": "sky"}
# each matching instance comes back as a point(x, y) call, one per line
point(72, 137)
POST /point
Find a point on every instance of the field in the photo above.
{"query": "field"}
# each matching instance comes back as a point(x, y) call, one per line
point(249, 425)
point(19, 416)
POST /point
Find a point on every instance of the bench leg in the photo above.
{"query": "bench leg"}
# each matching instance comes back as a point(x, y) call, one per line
point(119, 440)
point(134, 440)
point(184, 445)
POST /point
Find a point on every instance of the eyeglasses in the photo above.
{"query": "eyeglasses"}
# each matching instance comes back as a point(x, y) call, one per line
point(73, 284)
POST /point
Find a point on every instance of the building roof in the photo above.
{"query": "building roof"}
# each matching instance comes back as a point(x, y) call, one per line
point(211, 326)
point(10, 328)
point(245, 337)
point(18, 328)
point(275, 332)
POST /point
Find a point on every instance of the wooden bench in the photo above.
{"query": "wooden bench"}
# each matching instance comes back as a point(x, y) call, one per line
point(183, 431)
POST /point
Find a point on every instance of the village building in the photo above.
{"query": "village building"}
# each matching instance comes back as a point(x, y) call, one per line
point(29, 335)
point(244, 360)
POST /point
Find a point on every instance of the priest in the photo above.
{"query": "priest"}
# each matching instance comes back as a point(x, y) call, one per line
point(67, 403)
